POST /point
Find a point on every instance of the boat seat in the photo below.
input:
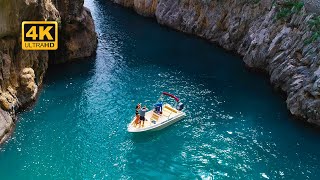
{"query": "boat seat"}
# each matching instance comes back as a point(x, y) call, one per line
point(170, 109)
point(154, 117)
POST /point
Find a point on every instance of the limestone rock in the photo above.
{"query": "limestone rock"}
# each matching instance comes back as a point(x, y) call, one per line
point(315, 91)
point(6, 123)
point(312, 5)
point(22, 72)
point(78, 38)
point(12, 12)
point(28, 87)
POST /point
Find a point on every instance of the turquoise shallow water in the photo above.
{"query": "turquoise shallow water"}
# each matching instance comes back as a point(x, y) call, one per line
point(237, 127)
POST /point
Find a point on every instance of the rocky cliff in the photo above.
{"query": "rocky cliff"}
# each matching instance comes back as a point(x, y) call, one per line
point(77, 35)
point(22, 72)
point(278, 37)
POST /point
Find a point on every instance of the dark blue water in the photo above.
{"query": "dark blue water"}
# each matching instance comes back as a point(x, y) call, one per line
point(236, 127)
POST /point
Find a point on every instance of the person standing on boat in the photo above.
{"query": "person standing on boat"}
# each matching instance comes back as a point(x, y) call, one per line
point(137, 120)
point(143, 114)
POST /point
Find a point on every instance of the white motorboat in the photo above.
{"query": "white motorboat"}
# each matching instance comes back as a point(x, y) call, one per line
point(160, 117)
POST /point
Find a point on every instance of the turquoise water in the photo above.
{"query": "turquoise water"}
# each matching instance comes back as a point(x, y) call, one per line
point(237, 127)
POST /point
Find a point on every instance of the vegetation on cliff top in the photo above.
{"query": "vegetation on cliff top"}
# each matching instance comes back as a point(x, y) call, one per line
point(314, 25)
point(288, 8)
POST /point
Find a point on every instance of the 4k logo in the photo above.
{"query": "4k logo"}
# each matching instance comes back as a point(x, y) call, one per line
point(39, 35)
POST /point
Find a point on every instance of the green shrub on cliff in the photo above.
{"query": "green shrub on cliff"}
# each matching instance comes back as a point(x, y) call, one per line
point(314, 25)
point(255, 1)
point(288, 8)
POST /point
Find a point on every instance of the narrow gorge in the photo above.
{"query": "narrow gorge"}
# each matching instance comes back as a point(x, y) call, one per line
point(277, 37)
point(74, 116)
point(22, 72)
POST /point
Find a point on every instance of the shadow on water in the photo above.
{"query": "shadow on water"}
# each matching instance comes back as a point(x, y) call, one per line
point(57, 73)
point(78, 68)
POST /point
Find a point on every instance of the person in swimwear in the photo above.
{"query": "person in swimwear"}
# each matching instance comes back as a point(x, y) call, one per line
point(137, 120)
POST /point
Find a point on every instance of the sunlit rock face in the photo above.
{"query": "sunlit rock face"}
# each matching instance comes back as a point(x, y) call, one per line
point(22, 71)
point(13, 12)
point(251, 28)
point(78, 38)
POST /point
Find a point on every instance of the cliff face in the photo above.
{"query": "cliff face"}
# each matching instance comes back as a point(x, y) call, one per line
point(256, 30)
point(77, 34)
point(22, 72)
point(313, 5)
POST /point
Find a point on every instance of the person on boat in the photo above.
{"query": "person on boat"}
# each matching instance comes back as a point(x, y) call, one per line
point(137, 120)
point(158, 108)
point(143, 114)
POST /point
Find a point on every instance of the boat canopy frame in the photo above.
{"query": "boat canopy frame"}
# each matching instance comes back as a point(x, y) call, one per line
point(172, 96)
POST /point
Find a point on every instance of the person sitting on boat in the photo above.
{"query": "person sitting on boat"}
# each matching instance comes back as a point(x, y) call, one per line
point(137, 120)
point(143, 114)
point(158, 108)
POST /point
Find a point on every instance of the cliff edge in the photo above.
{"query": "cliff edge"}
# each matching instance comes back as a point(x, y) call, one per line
point(279, 37)
point(22, 72)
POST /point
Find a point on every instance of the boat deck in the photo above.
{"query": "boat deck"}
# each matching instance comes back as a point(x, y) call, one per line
point(153, 118)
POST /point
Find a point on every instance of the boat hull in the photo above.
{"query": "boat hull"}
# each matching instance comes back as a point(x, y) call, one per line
point(159, 126)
